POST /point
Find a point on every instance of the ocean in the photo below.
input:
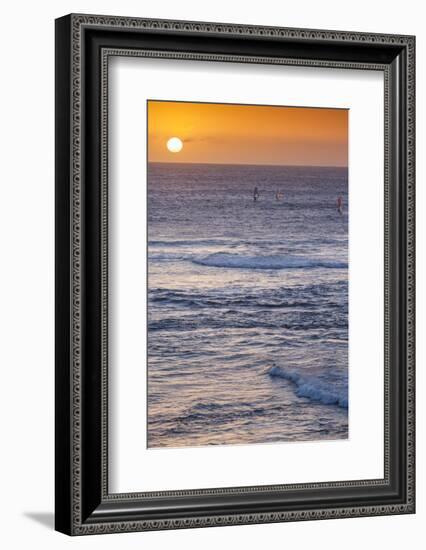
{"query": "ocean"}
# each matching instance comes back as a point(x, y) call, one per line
point(247, 304)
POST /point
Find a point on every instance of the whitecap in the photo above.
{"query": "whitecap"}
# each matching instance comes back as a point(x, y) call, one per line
point(227, 260)
point(314, 388)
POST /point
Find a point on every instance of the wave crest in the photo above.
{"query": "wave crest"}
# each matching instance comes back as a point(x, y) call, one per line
point(224, 259)
point(313, 388)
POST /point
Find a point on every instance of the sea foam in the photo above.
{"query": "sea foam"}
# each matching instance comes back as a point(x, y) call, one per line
point(314, 388)
point(223, 259)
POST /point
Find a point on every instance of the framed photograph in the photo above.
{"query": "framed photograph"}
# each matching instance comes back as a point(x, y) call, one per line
point(234, 274)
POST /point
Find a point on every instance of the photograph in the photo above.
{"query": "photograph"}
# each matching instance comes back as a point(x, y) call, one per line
point(234, 305)
point(247, 317)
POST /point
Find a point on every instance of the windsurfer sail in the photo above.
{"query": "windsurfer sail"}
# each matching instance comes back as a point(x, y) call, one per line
point(339, 203)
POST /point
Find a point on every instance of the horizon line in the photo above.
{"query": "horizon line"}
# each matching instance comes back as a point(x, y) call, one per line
point(251, 164)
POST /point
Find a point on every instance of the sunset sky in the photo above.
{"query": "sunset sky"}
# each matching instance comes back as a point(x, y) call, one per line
point(247, 134)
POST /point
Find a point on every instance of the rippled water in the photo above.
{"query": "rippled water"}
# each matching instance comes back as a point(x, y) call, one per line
point(247, 305)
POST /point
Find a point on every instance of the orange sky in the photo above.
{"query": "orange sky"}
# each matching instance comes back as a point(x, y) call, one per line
point(248, 134)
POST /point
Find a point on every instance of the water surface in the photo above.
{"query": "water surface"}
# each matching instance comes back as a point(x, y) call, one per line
point(247, 304)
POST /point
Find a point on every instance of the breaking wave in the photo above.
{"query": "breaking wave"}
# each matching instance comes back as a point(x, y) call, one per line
point(315, 388)
point(223, 259)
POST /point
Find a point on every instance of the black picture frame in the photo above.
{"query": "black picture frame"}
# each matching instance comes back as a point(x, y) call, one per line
point(83, 45)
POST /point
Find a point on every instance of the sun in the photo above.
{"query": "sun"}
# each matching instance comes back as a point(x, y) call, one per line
point(174, 145)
